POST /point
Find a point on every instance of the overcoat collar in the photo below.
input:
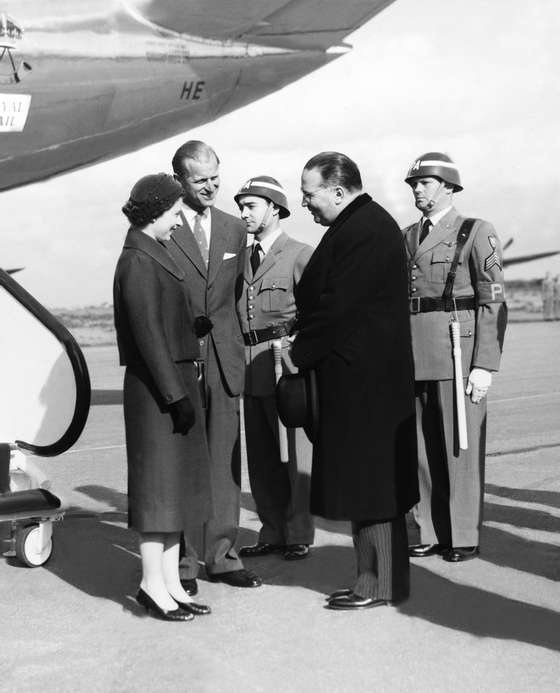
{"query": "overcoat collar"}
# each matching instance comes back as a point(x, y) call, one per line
point(268, 260)
point(445, 227)
point(140, 241)
point(347, 212)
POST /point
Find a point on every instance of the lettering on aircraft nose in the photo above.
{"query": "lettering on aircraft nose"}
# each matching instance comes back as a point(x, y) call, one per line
point(192, 91)
point(14, 109)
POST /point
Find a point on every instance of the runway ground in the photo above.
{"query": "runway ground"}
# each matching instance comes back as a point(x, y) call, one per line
point(492, 624)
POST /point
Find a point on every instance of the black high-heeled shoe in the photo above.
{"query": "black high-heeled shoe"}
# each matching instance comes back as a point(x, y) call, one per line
point(144, 599)
point(194, 608)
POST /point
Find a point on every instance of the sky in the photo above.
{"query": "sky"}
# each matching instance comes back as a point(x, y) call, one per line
point(477, 80)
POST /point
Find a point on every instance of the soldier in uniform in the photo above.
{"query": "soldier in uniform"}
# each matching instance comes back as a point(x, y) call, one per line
point(455, 271)
point(273, 266)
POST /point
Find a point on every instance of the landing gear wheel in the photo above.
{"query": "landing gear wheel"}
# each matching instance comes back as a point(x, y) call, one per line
point(34, 544)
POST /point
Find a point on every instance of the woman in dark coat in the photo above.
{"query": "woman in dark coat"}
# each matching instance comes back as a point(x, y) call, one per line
point(167, 454)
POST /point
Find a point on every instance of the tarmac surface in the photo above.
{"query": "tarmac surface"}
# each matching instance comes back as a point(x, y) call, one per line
point(491, 624)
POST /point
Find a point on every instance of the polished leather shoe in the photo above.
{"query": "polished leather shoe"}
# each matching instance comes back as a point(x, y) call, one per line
point(344, 592)
point(424, 550)
point(238, 578)
point(195, 609)
point(260, 549)
point(144, 599)
point(354, 601)
point(456, 554)
point(295, 552)
point(190, 586)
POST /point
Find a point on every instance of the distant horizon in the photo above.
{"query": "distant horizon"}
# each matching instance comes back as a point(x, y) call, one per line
point(511, 283)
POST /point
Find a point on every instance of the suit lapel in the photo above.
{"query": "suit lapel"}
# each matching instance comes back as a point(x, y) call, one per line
point(411, 239)
point(247, 271)
point(444, 228)
point(158, 252)
point(268, 260)
point(184, 238)
point(218, 244)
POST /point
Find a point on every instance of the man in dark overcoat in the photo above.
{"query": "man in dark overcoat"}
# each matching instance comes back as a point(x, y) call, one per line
point(353, 329)
point(210, 248)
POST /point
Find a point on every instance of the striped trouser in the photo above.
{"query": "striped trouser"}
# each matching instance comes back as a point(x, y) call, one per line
point(382, 559)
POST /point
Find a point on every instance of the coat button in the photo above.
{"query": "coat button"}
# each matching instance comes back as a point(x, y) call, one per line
point(413, 277)
point(251, 305)
point(201, 342)
point(413, 290)
point(414, 266)
point(251, 316)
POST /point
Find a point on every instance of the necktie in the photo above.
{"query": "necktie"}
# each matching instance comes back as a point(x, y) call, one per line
point(256, 257)
point(425, 230)
point(200, 237)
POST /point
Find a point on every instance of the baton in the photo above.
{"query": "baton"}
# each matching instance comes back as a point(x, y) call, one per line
point(282, 432)
point(459, 394)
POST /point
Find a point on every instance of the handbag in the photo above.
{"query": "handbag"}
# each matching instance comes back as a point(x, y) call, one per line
point(297, 402)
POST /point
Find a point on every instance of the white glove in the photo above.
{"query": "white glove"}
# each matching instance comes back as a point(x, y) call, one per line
point(478, 382)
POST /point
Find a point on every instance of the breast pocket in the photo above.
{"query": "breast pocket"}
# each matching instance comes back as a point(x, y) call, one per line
point(441, 263)
point(274, 293)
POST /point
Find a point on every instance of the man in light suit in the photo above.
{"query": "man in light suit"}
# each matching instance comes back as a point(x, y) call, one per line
point(267, 308)
point(210, 248)
point(455, 271)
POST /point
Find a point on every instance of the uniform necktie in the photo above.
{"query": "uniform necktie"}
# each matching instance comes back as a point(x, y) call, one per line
point(256, 257)
point(425, 230)
point(200, 237)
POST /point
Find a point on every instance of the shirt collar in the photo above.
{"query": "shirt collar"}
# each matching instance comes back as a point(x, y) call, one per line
point(191, 213)
point(437, 217)
point(266, 244)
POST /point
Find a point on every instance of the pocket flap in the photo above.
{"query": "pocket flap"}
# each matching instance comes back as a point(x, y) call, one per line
point(275, 283)
point(443, 254)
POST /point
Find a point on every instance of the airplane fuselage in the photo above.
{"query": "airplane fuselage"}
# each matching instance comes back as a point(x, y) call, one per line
point(77, 91)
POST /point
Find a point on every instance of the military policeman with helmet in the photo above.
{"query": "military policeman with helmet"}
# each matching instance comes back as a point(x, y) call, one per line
point(273, 267)
point(455, 274)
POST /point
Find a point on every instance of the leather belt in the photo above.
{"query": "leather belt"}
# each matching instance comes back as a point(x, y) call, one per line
point(426, 304)
point(254, 337)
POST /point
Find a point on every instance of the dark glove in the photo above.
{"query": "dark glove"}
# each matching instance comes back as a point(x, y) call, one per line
point(182, 413)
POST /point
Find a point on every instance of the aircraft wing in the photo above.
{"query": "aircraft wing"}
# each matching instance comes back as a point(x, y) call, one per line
point(295, 24)
point(527, 258)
